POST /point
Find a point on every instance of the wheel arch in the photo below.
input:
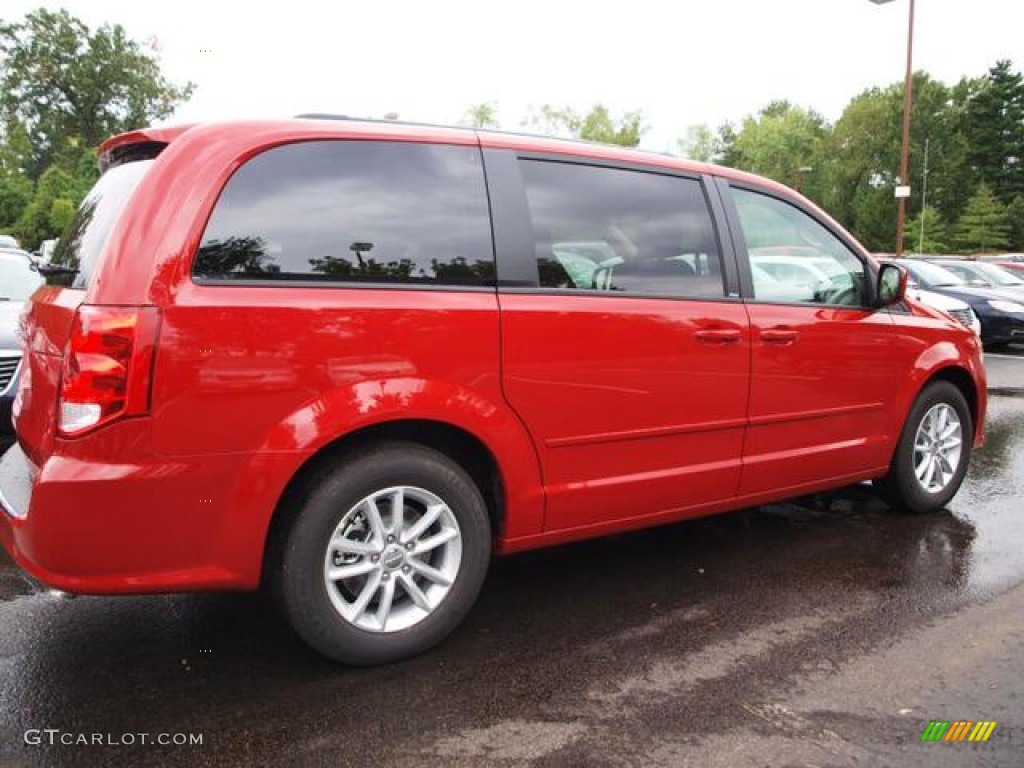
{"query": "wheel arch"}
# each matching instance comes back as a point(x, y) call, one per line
point(943, 361)
point(462, 446)
point(960, 378)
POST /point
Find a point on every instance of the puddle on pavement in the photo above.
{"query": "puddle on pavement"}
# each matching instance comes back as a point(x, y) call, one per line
point(14, 583)
point(992, 501)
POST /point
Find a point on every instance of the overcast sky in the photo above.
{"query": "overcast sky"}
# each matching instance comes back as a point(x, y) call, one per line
point(680, 61)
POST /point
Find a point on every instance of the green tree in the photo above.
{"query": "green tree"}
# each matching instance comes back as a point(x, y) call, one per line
point(482, 115)
point(37, 222)
point(936, 235)
point(984, 225)
point(995, 124)
point(599, 124)
point(65, 83)
point(1015, 216)
point(15, 187)
point(62, 210)
point(701, 144)
point(15, 193)
point(863, 158)
point(864, 154)
point(784, 143)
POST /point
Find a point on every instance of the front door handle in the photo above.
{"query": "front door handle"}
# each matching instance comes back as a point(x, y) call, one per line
point(719, 336)
point(779, 335)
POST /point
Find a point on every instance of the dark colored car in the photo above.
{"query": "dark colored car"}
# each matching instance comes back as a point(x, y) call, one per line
point(1000, 312)
point(354, 360)
point(18, 280)
point(984, 274)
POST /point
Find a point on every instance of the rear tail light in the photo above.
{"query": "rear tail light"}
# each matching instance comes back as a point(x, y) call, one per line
point(107, 367)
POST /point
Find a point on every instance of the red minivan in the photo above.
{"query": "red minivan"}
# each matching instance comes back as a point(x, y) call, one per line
point(351, 360)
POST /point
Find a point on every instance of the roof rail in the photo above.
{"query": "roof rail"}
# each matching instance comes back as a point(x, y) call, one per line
point(323, 116)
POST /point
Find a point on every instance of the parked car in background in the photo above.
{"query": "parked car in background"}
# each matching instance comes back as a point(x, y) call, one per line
point(27, 257)
point(1011, 261)
point(984, 274)
point(1001, 314)
point(353, 361)
point(9, 241)
point(45, 251)
point(803, 267)
point(959, 310)
point(1013, 266)
point(18, 280)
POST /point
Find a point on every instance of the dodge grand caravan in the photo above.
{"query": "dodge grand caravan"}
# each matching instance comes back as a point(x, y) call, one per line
point(351, 360)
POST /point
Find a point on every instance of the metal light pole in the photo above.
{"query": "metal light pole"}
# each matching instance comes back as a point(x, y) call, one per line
point(903, 187)
point(924, 197)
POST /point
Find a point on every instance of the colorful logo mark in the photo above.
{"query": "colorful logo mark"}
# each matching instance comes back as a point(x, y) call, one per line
point(958, 730)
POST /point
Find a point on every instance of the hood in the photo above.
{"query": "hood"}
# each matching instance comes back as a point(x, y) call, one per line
point(937, 300)
point(10, 316)
point(973, 295)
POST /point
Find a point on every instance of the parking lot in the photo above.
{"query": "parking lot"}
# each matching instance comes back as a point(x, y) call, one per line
point(824, 632)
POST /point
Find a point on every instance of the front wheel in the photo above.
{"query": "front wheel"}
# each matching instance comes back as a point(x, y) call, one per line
point(386, 557)
point(931, 458)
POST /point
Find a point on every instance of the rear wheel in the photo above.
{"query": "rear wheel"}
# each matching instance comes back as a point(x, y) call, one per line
point(931, 458)
point(386, 556)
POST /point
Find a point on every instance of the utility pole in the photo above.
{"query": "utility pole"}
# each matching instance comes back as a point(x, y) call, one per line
point(924, 196)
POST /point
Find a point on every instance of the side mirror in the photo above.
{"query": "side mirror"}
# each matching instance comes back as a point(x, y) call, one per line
point(892, 285)
point(55, 269)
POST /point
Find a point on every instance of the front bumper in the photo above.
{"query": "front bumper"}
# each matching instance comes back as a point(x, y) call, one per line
point(1002, 327)
point(7, 396)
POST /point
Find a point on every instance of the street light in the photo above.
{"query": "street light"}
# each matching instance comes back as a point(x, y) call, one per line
point(903, 185)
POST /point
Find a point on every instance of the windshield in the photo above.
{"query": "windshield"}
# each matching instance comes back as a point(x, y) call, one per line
point(82, 243)
point(18, 280)
point(997, 275)
point(931, 275)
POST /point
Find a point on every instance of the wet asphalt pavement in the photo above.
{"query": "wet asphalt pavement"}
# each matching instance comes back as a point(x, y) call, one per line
point(823, 632)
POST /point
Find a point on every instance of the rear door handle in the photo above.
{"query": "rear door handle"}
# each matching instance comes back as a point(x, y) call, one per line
point(719, 336)
point(779, 335)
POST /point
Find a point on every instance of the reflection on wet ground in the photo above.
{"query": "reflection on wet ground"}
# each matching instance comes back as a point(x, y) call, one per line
point(557, 634)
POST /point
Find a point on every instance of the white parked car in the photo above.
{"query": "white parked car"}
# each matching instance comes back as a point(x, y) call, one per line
point(960, 310)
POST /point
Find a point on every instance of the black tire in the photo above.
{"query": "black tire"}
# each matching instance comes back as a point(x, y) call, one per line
point(299, 575)
point(901, 487)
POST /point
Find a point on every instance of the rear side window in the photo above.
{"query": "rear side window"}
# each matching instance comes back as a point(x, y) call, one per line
point(82, 243)
point(617, 230)
point(353, 211)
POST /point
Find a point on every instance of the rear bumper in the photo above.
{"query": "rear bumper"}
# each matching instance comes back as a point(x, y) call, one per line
point(98, 528)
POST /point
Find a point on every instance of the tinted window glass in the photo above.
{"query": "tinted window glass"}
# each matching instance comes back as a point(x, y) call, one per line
point(967, 274)
point(353, 211)
point(85, 237)
point(930, 275)
point(996, 275)
point(793, 258)
point(608, 229)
